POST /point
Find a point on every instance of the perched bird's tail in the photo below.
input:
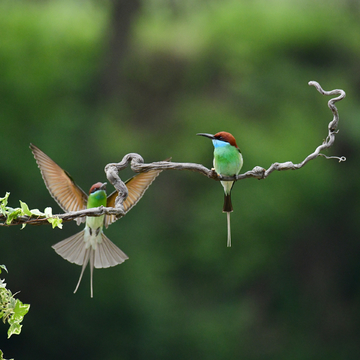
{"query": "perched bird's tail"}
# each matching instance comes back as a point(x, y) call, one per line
point(75, 250)
point(228, 209)
point(228, 230)
point(227, 203)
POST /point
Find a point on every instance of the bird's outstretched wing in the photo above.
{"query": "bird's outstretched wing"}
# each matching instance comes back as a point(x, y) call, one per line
point(61, 186)
point(137, 185)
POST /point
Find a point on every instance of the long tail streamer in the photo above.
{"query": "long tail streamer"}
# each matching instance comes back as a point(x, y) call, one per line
point(228, 229)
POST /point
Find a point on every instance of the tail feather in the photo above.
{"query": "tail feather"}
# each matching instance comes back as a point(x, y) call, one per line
point(108, 254)
point(85, 262)
point(75, 250)
point(228, 230)
point(92, 255)
point(227, 203)
point(72, 248)
point(228, 208)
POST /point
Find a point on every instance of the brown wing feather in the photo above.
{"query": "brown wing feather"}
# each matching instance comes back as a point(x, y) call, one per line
point(137, 185)
point(61, 186)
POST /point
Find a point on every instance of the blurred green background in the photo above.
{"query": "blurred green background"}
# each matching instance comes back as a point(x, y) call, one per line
point(90, 81)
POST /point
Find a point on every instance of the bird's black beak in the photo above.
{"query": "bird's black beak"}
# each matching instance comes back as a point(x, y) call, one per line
point(206, 135)
point(103, 186)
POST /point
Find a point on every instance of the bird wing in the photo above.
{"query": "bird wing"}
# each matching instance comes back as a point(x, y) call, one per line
point(61, 186)
point(137, 185)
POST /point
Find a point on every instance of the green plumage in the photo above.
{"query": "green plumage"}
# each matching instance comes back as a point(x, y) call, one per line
point(97, 199)
point(227, 161)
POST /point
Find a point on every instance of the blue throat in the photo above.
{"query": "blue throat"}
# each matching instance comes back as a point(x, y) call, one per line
point(219, 143)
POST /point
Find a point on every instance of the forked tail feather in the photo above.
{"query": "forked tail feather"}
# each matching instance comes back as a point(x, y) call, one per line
point(76, 250)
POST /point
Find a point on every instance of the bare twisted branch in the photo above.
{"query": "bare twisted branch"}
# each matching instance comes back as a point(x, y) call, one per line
point(258, 172)
point(137, 165)
point(326, 143)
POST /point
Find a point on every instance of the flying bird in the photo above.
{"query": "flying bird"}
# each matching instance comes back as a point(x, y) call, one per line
point(90, 244)
point(228, 161)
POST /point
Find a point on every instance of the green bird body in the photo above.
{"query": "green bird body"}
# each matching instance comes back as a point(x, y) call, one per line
point(228, 161)
point(91, 244)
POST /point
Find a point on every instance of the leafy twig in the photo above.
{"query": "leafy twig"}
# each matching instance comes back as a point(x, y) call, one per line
point(34, 220)
point(22, 215)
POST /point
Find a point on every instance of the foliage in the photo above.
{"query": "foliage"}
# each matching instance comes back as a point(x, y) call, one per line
point(12, 310)
point(1, 356)
point(11, 214)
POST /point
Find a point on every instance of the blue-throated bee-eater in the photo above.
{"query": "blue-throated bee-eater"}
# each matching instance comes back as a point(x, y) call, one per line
point(228, 161)
point(90, 244)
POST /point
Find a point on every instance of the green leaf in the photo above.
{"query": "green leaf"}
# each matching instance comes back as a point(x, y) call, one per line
point(37, 212)
point(3, 203)
point(19, 311)
point(25, 208)
point(55, 222)
point(13, 215)
point(2, 356)
point(3, 267)
point(14, 329)
point(4, 200)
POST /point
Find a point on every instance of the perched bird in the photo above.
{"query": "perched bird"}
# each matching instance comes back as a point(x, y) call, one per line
point(90, 244)
point(228, 161)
